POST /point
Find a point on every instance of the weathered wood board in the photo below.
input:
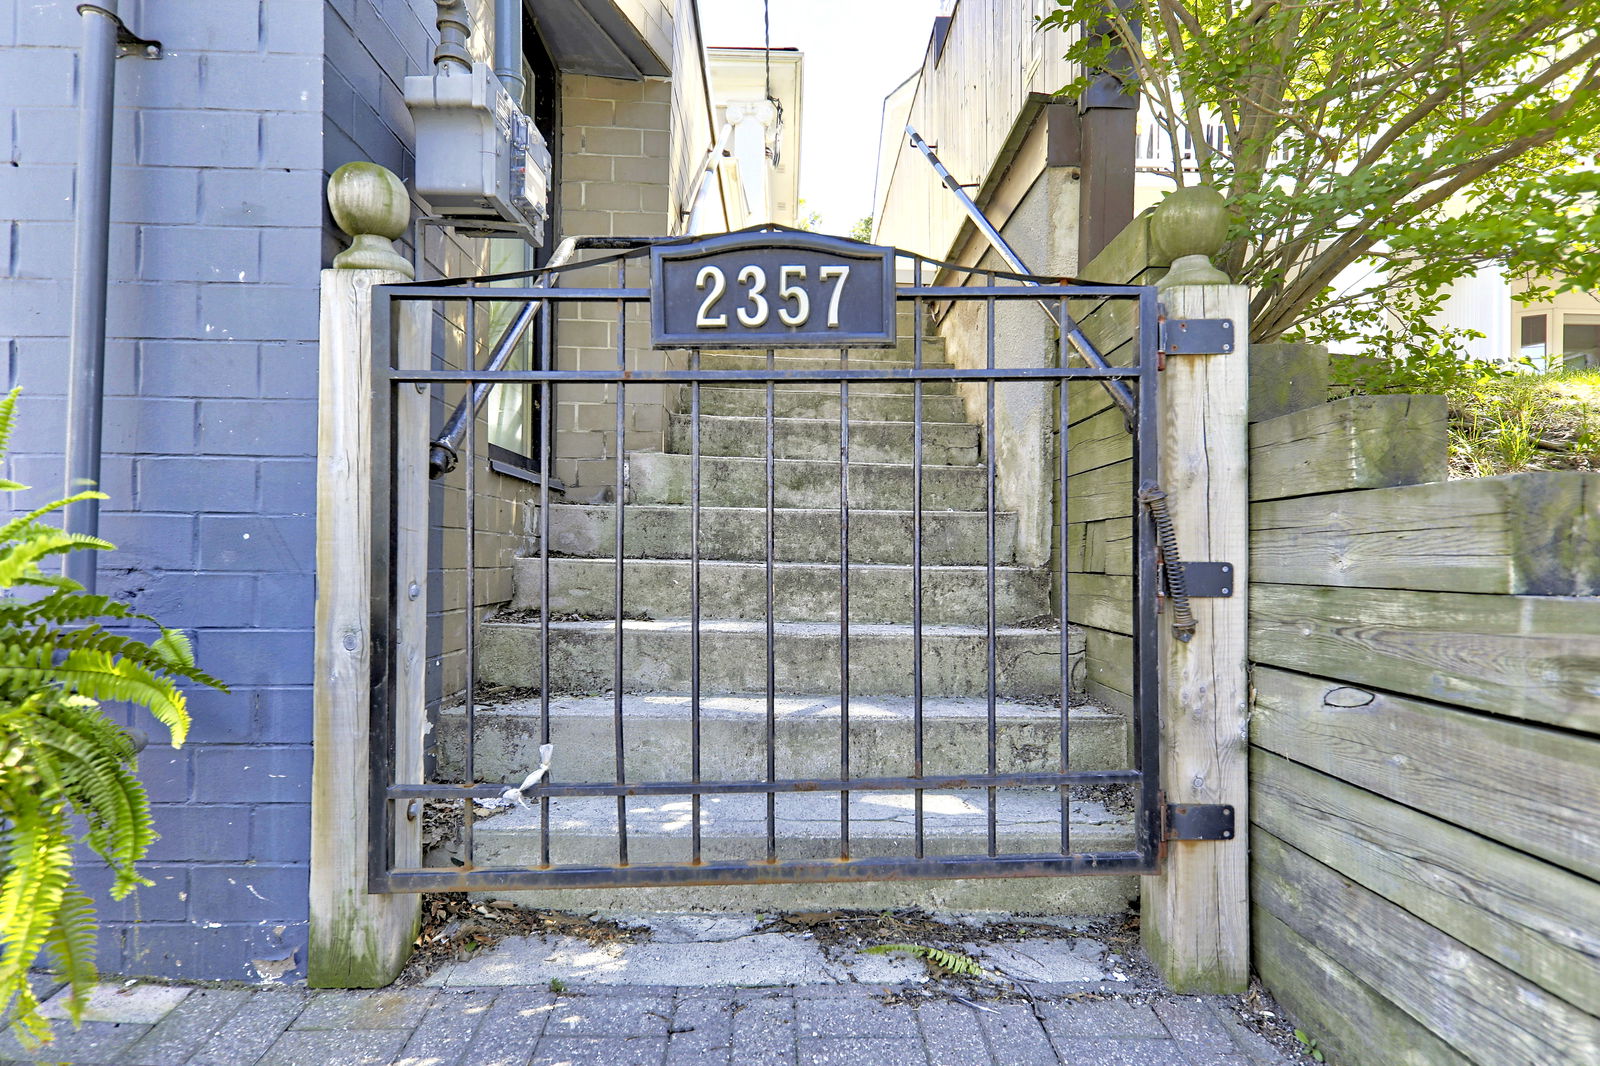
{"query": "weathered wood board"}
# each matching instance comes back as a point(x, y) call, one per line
point(1538, 920)
point(1100, 494)
point(1354, 1025)
point(1360, 442)
point(1467, 1000)
point(1286, 376)
point(1104, 601)
point(1531, 534)
point(1533, 657)
point(1531, 788)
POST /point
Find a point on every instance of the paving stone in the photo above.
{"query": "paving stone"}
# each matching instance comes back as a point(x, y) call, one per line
point(857, 1051)
point(335, 1047)
point(252, 1029)
point(600, 1051)
point(952, 1034)
point(1102, 1018)
point(387, 1008)
point(134, 1005)
point(1192, 1020)
point(191, 1023)
point(446, 1030)
point(1015, 1036)
point(764, 1030)
point(93, 1042)
point(702, 1030)
point(510, 1029)
point(858, 1015)
point(610, 1015)
point(1120, 1051)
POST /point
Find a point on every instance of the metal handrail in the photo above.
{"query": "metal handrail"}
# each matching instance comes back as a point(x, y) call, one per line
point(1119, 392)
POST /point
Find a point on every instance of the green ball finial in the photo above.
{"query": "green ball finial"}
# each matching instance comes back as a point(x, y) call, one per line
point(372, 207)
point(1190, 226)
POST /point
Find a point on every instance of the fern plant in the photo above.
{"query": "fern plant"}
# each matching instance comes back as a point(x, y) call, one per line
point(940, 960)
point(61, 757)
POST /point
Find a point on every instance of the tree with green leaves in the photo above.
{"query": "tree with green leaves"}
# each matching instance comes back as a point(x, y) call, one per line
point(1423, 140)
point(62, 761)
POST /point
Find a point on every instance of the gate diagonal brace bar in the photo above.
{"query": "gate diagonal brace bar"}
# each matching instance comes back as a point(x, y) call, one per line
point(1197, 821)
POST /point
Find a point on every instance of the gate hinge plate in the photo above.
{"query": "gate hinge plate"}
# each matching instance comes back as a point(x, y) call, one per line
point(1195, 336)
point(1208, 579)
point(1198, 821)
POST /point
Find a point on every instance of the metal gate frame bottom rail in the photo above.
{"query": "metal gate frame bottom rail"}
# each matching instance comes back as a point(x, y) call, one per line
point(642, 875)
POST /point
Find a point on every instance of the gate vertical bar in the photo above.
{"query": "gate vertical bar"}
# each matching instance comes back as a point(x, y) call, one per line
point(772, 662)
point(1064, 751)
point(992, 733)
point(547, 441)
point(470, 359)
point(916, 569)
point(844, 604)
point(619, 737)
point(694, 605)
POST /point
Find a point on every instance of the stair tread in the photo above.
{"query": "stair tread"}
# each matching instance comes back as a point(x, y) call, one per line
point(873, 815)
point(789, 630)
point(709, 509)
point(978, 568)
point(672, 706)
point(977, 468)
point(806, 422)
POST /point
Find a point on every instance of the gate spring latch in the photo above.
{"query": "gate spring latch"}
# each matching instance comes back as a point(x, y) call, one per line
point(1173, 579)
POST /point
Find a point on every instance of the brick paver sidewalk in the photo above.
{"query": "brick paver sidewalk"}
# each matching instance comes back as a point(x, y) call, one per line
point(847, 1025)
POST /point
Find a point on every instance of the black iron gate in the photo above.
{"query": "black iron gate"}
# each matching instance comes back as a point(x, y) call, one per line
point(540, 794)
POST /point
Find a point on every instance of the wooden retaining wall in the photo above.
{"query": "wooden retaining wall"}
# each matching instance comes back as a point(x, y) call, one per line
point(1425, 736)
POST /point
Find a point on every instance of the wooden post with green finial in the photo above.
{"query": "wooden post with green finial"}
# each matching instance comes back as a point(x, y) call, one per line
point(1196, 914)
point(360, 939)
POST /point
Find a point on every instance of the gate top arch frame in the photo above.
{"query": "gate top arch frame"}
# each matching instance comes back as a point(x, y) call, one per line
point(388, 797)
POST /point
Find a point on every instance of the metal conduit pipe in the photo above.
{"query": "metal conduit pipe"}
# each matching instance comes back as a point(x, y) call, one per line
point(91, 237)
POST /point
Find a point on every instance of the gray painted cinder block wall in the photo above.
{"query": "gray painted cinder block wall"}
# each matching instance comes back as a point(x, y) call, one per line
point(209, 427)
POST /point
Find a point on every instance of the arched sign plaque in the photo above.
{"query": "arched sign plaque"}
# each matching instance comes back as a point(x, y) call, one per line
point(772, 290)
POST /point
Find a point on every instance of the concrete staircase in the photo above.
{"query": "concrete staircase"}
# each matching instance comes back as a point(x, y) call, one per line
point(656, 676)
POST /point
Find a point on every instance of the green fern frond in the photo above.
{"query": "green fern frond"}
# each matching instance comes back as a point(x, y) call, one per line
point(8, 413)
point(61, 758)
point(941, 959)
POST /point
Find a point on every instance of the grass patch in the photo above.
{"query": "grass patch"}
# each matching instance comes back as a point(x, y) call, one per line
point(1502, 420)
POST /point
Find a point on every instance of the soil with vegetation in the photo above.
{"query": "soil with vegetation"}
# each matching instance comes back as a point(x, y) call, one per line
point(1503, 420)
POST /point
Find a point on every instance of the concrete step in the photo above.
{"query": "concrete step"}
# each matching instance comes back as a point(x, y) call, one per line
point(733, 658)
point(661, 531)
point(860, 389)
point(902, 351)
point(943, 443)
point(805, 736)
point(662, 477)
point(733, 827)
point(802, 592)
point(823, 402)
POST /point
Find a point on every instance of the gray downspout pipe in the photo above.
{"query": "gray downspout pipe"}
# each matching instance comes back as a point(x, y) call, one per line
point(91, 236)
point(508, 48)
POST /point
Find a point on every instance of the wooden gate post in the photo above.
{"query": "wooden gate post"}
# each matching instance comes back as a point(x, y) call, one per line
point(1196, 914)
point(359, 939)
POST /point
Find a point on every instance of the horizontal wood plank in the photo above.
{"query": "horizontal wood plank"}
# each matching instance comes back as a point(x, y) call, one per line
point(1470, 1002)
point(1101, 600)
point(1286, 376)
point(1534, 657)
point(1354, 1025)
point(1534, 918)
point(1534, 789)
point(1108, 667)
point(1097, 495)
point(1360, 442)
point(1534, 533)
point(1098, 442)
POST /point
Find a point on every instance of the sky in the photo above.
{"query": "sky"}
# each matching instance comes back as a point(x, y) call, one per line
point(856, 52)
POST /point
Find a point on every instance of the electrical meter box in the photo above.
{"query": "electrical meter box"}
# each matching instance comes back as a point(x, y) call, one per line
point(479, 158)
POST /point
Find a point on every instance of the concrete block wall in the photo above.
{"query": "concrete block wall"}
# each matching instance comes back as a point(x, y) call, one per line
point(209, 428)
point(616, 136)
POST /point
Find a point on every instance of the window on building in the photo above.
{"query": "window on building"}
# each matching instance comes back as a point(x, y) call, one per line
point(1534, 341)
point(1580, 340)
